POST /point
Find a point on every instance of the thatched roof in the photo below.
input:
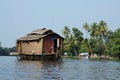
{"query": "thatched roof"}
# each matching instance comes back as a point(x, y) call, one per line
point(37, 34)
point(41, 31)
point(29, 37)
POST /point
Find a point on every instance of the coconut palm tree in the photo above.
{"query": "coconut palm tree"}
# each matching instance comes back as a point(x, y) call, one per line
point(103, 30)
point(73, 43)
point(86, 26)
point(70, 45)
point(66, 32)
point(93, 30)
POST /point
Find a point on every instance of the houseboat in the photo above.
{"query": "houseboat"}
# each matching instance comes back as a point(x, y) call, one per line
point(40, 44)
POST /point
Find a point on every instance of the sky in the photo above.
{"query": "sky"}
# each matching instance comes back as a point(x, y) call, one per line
point(19, 17)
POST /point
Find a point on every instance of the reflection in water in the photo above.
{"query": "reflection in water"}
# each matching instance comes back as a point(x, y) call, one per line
point(69, 69)
point(37, 70)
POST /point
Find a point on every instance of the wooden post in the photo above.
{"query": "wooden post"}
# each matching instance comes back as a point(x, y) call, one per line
point(42, 56)
point(58, 42)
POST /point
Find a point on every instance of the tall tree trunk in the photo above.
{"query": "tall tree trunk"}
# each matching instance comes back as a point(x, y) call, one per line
point(103, 40)
point(90, 48)
point(104, 44)
point(75, 50)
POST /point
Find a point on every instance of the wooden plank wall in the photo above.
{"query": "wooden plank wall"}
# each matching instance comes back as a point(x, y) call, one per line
point(48, 45)
point(30, 47)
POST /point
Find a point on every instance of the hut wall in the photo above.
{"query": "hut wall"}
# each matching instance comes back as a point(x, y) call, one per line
point(30, 47)
point(17, 47)
point(48, 44)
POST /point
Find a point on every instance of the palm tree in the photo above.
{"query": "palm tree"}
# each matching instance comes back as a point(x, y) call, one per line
point(70, 45)
point(103, 31)
point(66, 32)
point(73, 43)
point(87, 28)
point(94, 31)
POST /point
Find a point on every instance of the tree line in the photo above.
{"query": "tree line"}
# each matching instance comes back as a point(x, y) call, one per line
point(100, 40)
point(4, 51)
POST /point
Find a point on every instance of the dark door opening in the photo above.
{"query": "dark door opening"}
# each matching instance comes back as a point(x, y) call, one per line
point(55, 45)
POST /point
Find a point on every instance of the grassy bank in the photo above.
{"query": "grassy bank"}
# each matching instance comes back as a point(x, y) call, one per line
point(93, 58)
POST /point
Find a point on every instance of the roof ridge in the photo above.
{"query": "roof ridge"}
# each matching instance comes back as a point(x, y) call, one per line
point(40, 31)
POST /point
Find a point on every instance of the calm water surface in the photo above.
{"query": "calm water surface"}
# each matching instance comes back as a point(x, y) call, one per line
point(69, 69)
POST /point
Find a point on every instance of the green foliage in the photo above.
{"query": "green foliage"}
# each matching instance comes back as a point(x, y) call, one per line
point(114, 44)
point(116, 34)
point(100, 41)
point(66, 31)
point(84, 46)
point(98, 36)
point(77, 34)
point(5, 51)
point(98, 48)
point(72, 41)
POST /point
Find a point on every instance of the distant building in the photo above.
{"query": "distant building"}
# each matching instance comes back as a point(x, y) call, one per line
point(40, 42)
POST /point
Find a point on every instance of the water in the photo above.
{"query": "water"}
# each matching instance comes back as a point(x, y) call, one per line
point(69, 69)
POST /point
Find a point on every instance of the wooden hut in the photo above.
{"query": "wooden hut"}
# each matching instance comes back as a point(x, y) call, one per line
point(39, 44)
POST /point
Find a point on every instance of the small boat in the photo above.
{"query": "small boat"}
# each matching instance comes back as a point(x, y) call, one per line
point(84, 55)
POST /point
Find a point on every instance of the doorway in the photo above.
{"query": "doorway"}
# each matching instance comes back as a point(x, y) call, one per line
point(55, 45)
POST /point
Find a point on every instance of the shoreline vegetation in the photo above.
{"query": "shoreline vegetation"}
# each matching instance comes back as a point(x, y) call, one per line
point(4, 51)
point(93, 58)
point(100, 42)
